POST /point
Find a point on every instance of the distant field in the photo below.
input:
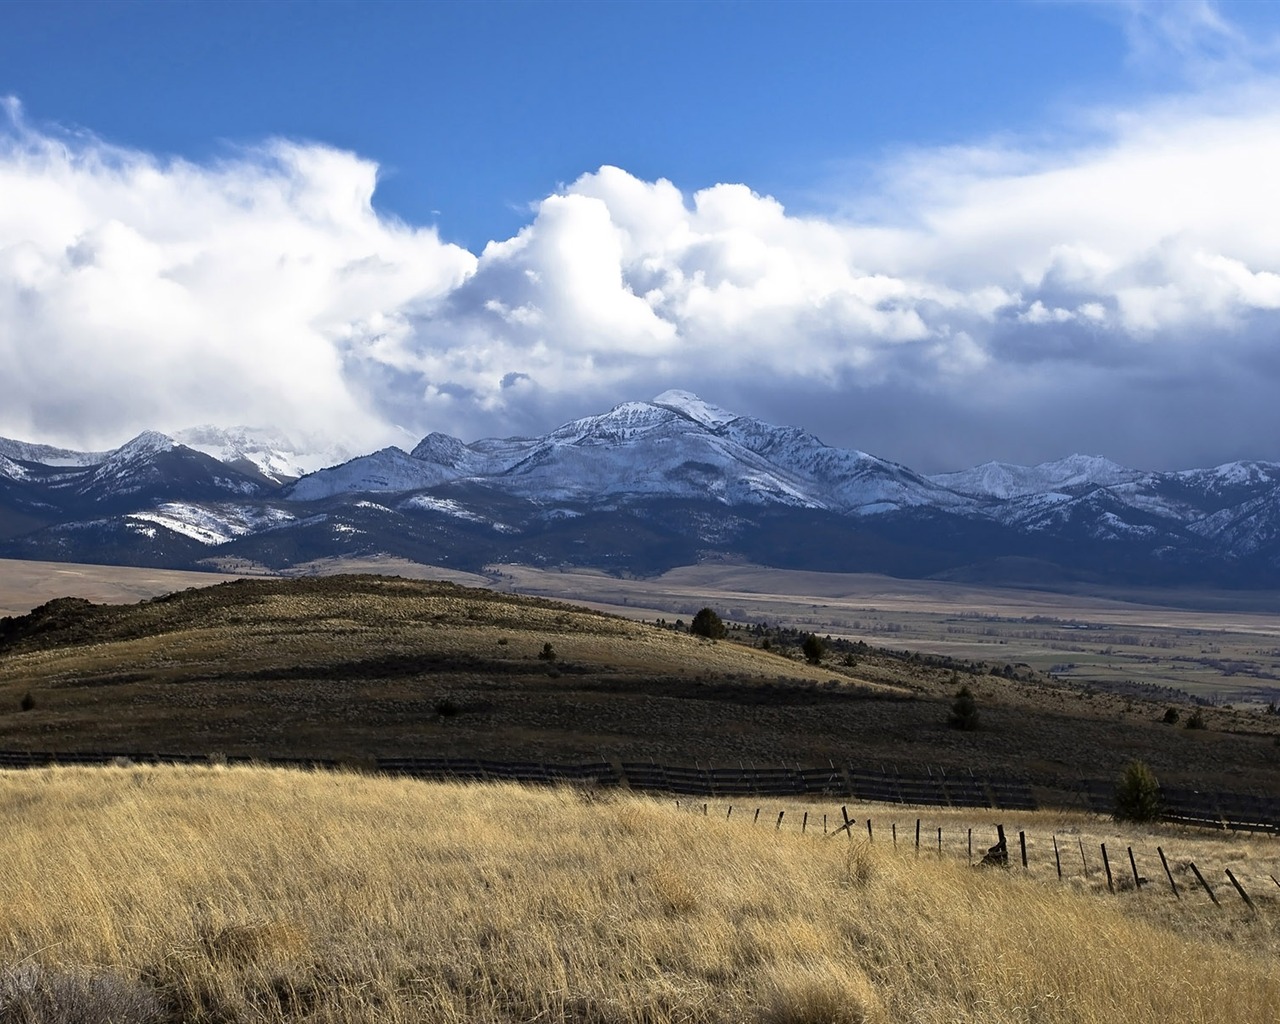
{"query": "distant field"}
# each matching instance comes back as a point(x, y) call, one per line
point(1132, 642)
point(1219, 646)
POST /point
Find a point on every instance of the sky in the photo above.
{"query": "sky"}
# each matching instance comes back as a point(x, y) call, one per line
point(943, 233)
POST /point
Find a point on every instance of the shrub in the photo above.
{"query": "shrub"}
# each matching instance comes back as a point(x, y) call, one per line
point(707, 623)
point(1171, 716)
point(1137, 794)
point(34, 994)
point(964, 711)
point(28, 701)
point(1196, 721)
point(548, 653)
point(813, 649)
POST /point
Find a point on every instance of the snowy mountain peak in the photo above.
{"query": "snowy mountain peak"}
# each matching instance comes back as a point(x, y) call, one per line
point(442, 449)
point(146, 444)
point(690, 405)
point(1235, 474)
point(1085, 469)
point(264, 450)
point(1003, 480)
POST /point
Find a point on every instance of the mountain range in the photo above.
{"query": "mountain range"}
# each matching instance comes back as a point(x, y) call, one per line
point(638, 489)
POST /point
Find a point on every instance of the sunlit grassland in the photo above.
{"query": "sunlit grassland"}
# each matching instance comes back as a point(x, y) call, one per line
point(245, 894)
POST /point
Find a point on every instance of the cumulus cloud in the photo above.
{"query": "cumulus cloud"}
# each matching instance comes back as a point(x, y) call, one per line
point(136, 291)
point(1118, 293)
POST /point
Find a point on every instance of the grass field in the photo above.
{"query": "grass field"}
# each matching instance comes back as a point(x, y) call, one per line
point(151, 896)
point(358, 667)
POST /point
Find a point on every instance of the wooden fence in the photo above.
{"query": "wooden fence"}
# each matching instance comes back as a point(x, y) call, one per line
point(928, 786)
point(1124, 867)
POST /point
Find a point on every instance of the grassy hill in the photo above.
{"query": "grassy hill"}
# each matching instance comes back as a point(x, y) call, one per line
point(158, 895)
point(363, 666)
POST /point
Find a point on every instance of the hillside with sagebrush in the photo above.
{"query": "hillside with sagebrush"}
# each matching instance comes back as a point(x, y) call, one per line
point(360, 667)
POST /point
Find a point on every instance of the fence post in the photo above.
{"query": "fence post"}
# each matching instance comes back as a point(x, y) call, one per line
point(1107, 864)
point(848, 825)
point(778, 826)
point(917, 837)
point(1057, 858)
point(1199, 877)
point(1138, 880)
point(757, 817)
point(730, 814)
point(895, 838)
point(1083, 859)
point(704, 810)
point(870, 837)
point(824, 824)
point(1022, 844)
point(804, 824)
point(939, 840)
point(1240, 889)
point(971, 846)
point(1168, 873)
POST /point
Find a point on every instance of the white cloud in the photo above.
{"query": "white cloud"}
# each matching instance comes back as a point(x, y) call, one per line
point(138, 292)
point(1023, 292)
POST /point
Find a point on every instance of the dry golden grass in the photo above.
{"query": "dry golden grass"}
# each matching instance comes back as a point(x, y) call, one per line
point(254, 895)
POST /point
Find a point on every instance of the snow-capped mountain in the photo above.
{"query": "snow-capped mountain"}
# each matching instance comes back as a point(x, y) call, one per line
point(1003, 480)
point(643, 486)
point(271, 453)
point(676, 446)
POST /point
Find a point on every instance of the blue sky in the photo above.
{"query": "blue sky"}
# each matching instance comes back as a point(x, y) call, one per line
point(941, 232)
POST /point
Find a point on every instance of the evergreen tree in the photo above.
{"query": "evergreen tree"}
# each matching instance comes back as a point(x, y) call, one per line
point(964, 712)
point(707, 623)
point(1137, 794)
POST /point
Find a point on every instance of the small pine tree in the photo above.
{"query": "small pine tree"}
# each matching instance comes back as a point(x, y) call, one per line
point(1137, 794)
point(548, 653)
point(28, 702)
point(707, 623)
point(964, 712)
point(813, 649)
point(1196, 721)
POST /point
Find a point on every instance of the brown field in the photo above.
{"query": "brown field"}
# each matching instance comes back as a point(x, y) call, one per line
point(158, 896)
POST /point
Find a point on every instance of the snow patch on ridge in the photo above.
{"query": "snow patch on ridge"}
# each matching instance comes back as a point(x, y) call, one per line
point(447, 506)
point(11, 469)
point(213, 524)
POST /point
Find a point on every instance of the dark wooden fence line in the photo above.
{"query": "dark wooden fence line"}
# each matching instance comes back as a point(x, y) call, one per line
point(930, 786)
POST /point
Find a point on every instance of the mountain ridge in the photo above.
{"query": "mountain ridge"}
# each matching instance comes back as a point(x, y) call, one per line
point(631, 489)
